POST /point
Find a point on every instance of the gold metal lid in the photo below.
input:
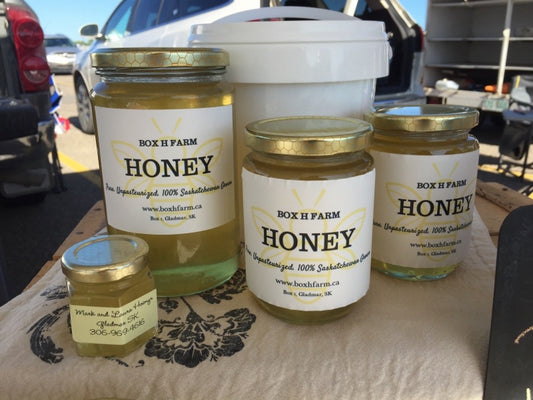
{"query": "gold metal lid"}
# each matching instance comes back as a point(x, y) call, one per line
point(105, 258)
point(159, 57)
point(308, 136)
point(423, 118)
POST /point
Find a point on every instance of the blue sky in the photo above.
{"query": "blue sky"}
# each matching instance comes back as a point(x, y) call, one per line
point(67, 16)
point(417, 9)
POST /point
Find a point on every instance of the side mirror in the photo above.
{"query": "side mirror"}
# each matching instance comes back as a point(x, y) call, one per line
point(90, 30)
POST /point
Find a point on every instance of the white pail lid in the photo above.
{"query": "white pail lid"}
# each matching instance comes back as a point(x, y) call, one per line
point(336, 48)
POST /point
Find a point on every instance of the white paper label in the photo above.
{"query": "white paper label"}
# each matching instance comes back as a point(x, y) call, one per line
point(167, 171)
point(424, 208)
point(307, 243)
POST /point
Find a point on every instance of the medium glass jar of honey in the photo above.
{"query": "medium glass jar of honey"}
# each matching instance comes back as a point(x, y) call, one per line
point(426, 167)
point(164, 129)
point(308, 191)
point(112, 296)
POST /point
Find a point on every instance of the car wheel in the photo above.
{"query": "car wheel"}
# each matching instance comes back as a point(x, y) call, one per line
point(83, 102)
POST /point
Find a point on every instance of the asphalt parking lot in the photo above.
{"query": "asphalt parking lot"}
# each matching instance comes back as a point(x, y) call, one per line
point(30, 233)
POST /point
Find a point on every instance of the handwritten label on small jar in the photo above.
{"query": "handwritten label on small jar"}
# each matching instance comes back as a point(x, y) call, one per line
point(114, 325)
point(172, 169)
point(424, 208)
point(307, 243)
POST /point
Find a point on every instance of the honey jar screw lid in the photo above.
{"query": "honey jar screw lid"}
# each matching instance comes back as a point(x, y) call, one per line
point(423, 118)
point(159, 57)
point(308, 135)
point(105, 258)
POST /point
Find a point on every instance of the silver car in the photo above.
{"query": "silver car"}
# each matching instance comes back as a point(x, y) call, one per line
point(60, 53)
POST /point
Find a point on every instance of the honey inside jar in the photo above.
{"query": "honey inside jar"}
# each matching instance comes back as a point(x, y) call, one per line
point(112, 296)
point(185, 259)
point(426, 168)
point(308, 192)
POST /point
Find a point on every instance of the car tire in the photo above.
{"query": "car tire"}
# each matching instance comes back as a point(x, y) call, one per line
point(83, 103)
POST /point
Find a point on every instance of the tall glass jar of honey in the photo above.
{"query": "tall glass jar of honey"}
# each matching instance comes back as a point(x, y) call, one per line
point(426, 167)
point(308, 192)
point(164, 126)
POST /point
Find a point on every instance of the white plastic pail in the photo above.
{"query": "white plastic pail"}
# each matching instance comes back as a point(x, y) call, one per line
point(325, 65)
point(310, 67)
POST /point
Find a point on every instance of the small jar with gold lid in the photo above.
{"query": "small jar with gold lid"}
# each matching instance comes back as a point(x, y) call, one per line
point(112, 296)
point(426, 167)
point(164, 126)
point(308, 191)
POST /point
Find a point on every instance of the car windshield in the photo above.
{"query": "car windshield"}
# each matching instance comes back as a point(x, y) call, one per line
point(58, 42)
point(117, 25)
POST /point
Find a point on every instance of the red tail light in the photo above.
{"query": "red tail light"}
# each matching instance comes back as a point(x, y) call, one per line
point(29, 33)
point(31, 54)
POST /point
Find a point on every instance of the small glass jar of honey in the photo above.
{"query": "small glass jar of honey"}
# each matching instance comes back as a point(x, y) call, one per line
point(112, 296)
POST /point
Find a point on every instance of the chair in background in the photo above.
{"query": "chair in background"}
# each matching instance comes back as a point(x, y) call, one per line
point(518, 131)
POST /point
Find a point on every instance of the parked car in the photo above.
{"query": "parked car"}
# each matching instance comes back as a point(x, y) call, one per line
point(26, 126)
point(60, 53)
point(146, 23)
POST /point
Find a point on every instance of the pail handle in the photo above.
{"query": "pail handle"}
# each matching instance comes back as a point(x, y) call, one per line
point(286, 12)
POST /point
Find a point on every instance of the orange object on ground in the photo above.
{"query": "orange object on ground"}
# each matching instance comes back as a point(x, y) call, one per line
point(492, 88)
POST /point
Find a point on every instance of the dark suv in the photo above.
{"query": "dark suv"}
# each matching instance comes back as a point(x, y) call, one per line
point(27, 135)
